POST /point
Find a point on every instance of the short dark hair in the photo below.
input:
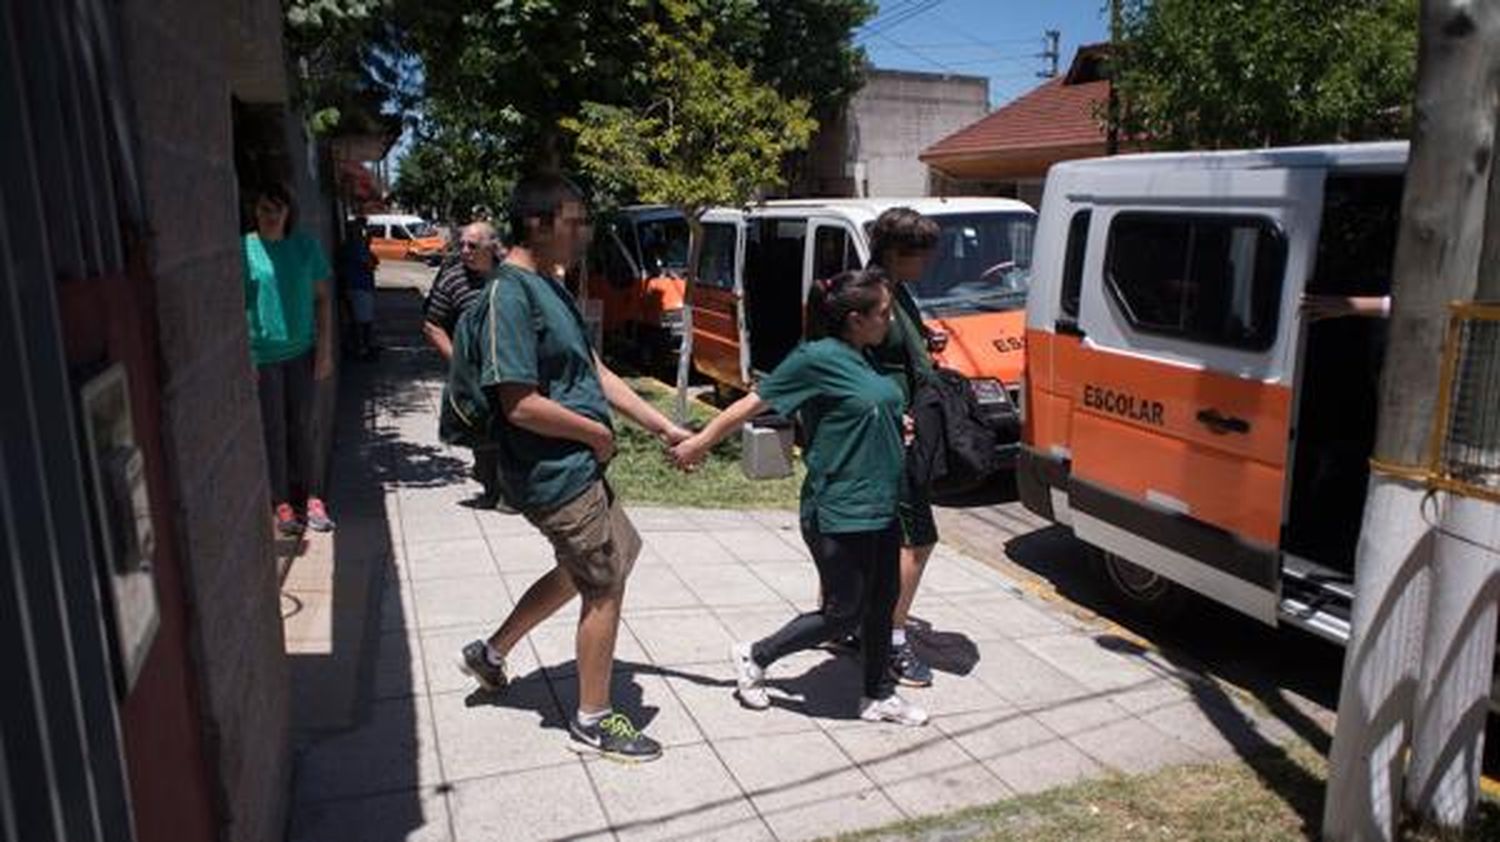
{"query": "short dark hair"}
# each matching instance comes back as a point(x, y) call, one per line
point(902, 229)
point(538, 197)
point(282, 195)
point(831, 300)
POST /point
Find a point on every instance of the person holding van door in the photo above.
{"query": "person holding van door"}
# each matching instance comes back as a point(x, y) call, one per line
point(555, 396)
point(289, 308)
point(458, 287)
point(902, 243)
point(855, 452)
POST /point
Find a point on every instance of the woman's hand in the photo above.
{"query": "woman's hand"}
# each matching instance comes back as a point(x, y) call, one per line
point(689, 454)
point(908, 429)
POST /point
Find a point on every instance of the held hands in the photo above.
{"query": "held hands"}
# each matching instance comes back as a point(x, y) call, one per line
point(687, 455)
point(673, 435)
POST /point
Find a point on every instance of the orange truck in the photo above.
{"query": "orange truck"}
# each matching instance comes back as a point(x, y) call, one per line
point(635, 270)
point(395, 236)
point(758, 263)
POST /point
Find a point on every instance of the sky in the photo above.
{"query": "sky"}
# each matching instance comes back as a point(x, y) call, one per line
point(999, 39)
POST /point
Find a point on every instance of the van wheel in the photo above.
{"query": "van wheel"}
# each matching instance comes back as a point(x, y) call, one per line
point(1144, 592)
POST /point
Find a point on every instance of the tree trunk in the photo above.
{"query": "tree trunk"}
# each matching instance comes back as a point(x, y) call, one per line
point(1459, 652)
point(1437, 257)
point(685, 352)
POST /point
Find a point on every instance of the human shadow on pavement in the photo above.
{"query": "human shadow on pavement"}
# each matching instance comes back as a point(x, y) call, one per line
point(945, 651)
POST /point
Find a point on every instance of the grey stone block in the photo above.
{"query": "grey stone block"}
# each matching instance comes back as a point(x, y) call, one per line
point(408, 816)
point(554, 802)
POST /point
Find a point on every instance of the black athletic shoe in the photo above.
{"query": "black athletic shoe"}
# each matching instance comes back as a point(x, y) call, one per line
point(616, 738)
point(909, 669)
point(475, 663)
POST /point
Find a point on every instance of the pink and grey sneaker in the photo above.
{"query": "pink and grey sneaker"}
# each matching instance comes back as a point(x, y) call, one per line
point(317, 516)
point(286, 520)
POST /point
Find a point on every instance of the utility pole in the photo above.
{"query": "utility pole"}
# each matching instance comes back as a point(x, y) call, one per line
point(1437, 261)
point(1112, 131)
point(1049, 53)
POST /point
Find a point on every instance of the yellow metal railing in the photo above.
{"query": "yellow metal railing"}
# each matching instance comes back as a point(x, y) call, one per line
point(1463, 453)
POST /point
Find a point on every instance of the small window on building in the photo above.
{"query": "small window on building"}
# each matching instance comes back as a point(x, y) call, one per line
point(1072, 277)
point(716, 265)
point(1211, 279)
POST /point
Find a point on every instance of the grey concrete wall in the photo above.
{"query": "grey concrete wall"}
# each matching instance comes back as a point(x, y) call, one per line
point(177, 55)
point(897, 115)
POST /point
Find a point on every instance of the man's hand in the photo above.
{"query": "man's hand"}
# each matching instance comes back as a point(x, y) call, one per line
point(687, 455)
point(908, 429)
point(602, 442)
point(673, 435)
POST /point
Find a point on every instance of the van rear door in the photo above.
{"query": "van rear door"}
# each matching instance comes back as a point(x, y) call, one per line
point(720, 349)
point(1181, 417)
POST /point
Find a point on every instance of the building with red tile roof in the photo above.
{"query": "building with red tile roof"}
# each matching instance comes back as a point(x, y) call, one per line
point(1009, 150)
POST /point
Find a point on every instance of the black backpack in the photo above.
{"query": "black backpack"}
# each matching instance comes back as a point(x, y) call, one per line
point(955, 447)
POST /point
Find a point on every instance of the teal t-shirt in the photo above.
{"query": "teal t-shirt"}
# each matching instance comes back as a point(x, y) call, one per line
point(279, 294)
point(535, 336)
point(852, 416)
point(903, 356)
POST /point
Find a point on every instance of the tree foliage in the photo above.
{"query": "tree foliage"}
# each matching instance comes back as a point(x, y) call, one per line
point(453, 168)
point(1247, 73)
point(350, 62)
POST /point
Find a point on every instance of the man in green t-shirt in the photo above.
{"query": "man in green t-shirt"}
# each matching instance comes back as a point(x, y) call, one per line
point(901, 243)
point(555, 440)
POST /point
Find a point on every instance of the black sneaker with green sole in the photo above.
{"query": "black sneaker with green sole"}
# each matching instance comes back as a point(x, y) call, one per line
point(615, 738)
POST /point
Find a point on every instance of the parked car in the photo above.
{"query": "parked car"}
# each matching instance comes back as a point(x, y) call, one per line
point(405, 237)
point(635, 270)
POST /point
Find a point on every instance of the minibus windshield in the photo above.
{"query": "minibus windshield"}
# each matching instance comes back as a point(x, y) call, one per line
point(664, 244)
point(982, 262)
point(420, 229)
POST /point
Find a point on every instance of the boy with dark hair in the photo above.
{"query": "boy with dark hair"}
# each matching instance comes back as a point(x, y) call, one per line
point(554, 396)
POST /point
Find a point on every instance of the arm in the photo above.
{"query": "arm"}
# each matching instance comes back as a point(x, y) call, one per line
point(689, 453)
point(438, 339)
point(637, 409)
point(528, 409)
point(1319, 307)
point(323, 361)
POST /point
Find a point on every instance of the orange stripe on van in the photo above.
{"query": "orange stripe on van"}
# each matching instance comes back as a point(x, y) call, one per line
point(1132, 426)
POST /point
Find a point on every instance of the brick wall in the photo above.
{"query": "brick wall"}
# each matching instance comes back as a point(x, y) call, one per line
point(177, 55)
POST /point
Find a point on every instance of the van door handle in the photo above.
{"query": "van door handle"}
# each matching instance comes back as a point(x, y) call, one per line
point(1221, 424)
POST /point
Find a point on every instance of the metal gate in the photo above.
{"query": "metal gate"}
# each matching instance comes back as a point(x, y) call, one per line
point(69, 209)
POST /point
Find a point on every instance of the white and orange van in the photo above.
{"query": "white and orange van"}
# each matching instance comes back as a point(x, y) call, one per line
point(1179, 413)
point(636, 265)
point(758, 263)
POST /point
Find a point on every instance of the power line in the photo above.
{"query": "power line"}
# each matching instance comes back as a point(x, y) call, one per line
point(902, 17)
point(930, 60)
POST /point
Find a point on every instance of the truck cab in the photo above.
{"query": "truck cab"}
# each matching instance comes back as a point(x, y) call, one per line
point(636, 266)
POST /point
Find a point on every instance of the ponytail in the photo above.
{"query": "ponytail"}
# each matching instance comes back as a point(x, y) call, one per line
point(831, 300)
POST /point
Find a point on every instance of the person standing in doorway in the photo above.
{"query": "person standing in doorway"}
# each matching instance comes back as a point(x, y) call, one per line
point(902, 243)
point(855, 454)
point(458, 287)
point(289, 308)
point(554, 397)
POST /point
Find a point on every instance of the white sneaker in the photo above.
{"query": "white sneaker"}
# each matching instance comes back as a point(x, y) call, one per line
point(892, 708)
point(749, 678)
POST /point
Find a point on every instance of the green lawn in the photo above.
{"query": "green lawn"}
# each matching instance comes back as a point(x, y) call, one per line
point(640, 472)
point(1274, 797)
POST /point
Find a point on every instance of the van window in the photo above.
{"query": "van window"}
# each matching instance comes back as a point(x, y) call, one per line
point(982, 262)
point(831, 250)
point(1072, 276)
point(612, 259)
point(716, 264)
point(398, 232)
point(420, 229)
point(1212, 279)
point(664, 244)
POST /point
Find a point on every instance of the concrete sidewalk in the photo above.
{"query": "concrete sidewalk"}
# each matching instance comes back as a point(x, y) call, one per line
point(1026, 698)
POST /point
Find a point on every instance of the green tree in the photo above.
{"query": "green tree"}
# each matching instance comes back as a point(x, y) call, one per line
point(708, 134)
point(349, 60)
point(1246, 73)
point(450, 170)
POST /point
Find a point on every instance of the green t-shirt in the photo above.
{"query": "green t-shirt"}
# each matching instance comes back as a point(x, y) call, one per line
point(535, 336)
point(280, 294)
point(852, 416)
point(903, 356)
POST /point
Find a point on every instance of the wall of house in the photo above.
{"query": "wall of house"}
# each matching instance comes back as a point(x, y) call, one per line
point(179, 57)
point(897, 115)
